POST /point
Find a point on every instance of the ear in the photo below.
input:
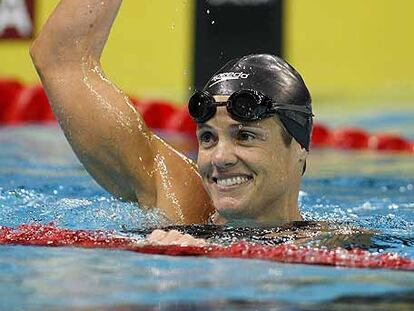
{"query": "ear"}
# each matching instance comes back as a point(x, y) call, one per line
point(302, 154)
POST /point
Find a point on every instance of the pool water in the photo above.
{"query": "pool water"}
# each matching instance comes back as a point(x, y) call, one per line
point(41, 181)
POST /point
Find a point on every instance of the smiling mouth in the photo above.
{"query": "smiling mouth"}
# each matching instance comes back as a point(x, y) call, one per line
point(232, 181)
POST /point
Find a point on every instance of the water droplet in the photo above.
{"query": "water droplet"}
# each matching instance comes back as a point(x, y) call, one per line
point(173, 26)
point(208, 11)
point(213, 22)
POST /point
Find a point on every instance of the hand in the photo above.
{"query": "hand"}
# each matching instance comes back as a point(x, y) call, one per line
point(174, 237)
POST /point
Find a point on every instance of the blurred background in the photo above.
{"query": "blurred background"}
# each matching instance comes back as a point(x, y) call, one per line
point(355, 56)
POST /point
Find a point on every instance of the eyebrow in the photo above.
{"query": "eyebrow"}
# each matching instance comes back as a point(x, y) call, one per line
point(203, 126)
point(233, 125)
point(246, 125)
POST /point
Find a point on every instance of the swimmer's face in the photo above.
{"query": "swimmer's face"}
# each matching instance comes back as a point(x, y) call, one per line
point(247, 168)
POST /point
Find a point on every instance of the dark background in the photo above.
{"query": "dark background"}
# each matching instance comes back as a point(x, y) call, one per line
point(225, 30)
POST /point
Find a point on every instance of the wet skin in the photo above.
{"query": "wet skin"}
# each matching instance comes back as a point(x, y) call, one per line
point(104, 129)
point(121, 153)
point(248, 170)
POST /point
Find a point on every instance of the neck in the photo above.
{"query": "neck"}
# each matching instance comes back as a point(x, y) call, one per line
point(285, 208)
point(283, 211)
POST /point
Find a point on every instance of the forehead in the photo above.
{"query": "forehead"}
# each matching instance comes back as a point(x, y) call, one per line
point(222, 120)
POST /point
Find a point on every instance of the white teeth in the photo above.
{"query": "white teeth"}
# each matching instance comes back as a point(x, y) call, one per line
point(232, 181)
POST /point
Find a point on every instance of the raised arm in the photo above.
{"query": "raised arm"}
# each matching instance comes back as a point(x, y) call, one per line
point(106, 132)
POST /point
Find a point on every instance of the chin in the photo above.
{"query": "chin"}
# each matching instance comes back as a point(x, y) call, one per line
point(231, 209)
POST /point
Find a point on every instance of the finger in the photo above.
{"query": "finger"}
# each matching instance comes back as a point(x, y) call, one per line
point(200, 242)
point(171, 237)
point(156, 236)
point(188, 240)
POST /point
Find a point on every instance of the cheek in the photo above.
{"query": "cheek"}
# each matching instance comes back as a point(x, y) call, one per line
point(259, 160)
point(272, 163)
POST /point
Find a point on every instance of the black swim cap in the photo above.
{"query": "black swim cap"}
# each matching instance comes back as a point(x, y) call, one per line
point(273, 77)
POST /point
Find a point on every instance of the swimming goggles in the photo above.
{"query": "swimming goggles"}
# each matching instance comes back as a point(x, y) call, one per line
point(243, 106)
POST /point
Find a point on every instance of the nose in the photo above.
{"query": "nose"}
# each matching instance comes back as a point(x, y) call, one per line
point(223, 155)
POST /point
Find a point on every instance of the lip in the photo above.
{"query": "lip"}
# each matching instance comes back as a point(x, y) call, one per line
point(221, 188)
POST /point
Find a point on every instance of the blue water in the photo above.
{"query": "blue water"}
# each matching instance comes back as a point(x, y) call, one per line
point(42, 181)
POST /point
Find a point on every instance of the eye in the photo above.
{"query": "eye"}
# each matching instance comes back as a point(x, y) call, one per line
point(246, 136)
point(206, 138)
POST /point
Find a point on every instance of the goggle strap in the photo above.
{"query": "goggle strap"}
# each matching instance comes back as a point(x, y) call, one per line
point(298, 119)
point(295, 117)
point(297, 108)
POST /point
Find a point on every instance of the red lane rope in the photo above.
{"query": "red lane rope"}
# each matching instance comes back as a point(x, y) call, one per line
point(24, 104)
point(31, 105)
point(9, 90)
point(51, 236)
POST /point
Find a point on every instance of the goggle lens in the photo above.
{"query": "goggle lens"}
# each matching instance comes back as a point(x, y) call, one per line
point(201, 107)
point(245, 106)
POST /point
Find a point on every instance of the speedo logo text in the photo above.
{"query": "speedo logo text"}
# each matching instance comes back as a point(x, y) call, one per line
point(228, 76)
